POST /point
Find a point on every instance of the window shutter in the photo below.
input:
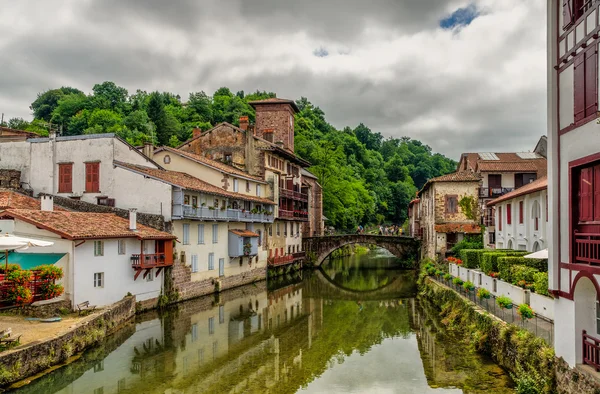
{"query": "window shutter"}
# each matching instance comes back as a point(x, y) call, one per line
point(500, 218)
point(520, 212)
point(596, 188)
point(591, 81)
point(92, 177)
point(508, 214)
point(585, 195)
point(65, 178)
point(579, 87)
point(567, 13)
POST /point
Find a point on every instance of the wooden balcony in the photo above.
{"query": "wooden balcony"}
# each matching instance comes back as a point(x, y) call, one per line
point(293, 215)
point(280, 260)
point(149, 260)
point(587, 248)
point(493, 192)
point(591, 351)
point(228, 215)
point(293, 195)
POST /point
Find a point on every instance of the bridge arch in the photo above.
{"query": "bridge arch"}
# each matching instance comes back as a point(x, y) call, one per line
point(319, 248)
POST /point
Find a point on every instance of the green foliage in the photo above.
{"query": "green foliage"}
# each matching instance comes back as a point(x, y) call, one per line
point(447, 276)
point(11, 267)
point(470, 257)
point(19, 277)
point(483, 293)
point(469, 242)
point(504, 302)
point(540, 283)
point(51, 290)
point(470, 207)
point(457, 281)
point(507, 271)
point(49, 272)
point(521, 273)
point(525, 311)
point(468, 286)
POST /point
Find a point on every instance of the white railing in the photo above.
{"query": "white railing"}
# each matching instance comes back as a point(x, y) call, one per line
point(228, 214)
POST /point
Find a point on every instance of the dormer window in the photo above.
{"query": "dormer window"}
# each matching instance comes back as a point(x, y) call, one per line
point(228, 157)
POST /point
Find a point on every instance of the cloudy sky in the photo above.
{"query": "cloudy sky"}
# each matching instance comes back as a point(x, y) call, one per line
point(458, 75)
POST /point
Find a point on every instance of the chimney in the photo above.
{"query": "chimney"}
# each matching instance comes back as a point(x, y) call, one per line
point(244, 123)
point(197, 131)
point(47, 203)
point(148, 149)
point(133, 219)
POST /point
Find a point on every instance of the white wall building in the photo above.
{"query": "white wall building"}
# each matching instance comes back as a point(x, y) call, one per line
point(521, 217)
point(574, 175)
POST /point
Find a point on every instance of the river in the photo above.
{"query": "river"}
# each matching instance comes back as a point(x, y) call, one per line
point(354, 326)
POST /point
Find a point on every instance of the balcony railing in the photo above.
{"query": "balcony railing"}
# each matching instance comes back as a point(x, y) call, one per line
point(493, 192)
point(148, 260)
point(300, 215)
point(299, 256)
point(286, 193)
point(591, 351)
point(228, 214)
point(587, 248)
point(280, 260)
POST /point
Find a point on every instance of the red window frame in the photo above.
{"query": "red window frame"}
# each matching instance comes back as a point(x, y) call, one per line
point(65, 178)
point(92, 177)
point(500, 218)
point(520, 212)
point(508, 214)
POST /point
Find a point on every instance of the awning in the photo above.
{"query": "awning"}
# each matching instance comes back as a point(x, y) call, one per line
point(30, 260)
point(244, 233)
point(540, 254)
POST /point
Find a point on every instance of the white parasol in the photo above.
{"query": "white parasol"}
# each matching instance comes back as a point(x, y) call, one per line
point(12, 242)
point(540, 254)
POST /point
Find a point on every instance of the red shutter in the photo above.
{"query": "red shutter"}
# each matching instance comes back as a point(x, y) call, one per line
point(92, 177)
point(585, 195)
point(65, 178)
point(520, 212)
point(596, 188)
point(579, 87)
point(546, 206)
point(500, 218)
point(508, 214)
point(591, 81)
point(567, 13)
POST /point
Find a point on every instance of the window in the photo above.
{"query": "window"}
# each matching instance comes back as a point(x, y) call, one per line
point(259, 232)
point(194, 263)
point(573, 10)
point(297, 229)
point(588, 195)
point(65, 178)
point(535, 214)
point(121, 246)
point(258, 190)
point(520, 212)
point(92, 177)
point(221, 314)
point(99, 366)
point(167, 159)
point(200, 234)
point(215, 346)
point(98, 248)
point(235, 185)
point(186, 199)
point(186, 233)
point(451, 205)
point(285, 229)
point(121, 385)
point(508, 214)
point(500, 218)
point(195, 201)
point(211, 261)
point(248, 187)
point(211, 325)
point(215, 233)
point(228, 157)
point(271, 230)
point(150, 276)
point(278, 232)
point(99, 279)
point(586, 83)
point(194, 332)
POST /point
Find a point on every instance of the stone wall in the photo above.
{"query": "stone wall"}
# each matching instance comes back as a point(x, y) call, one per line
point(10, 179)
point(275, 118)
point(47, 308)
point(147, 219)
point(30, 359)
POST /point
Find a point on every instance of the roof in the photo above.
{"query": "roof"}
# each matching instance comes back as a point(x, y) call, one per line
point(275, 100)
point(308, 174)
point(505, 162)
point(244, 233)
point(212, 163)
point(28, 261)
point(535, 186)
point(13, 132)
point(84, 225)
point(412, 202)
point(461, 176)
point(507, 166)
point(467, 228)
point(188, 182)
point(14, 200)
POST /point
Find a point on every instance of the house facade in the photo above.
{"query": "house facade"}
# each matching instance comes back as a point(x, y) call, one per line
point(574, 176)
point(104, 256)
point(414, 218)
point(522, 217)
point(442, 220)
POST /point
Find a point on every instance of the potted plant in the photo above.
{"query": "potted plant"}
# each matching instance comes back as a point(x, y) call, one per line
point(504, 302)
point(525, 311)
point(448, 277)
point(247, 248)
point(468, 286)
point(457, 281)
point(483, 293)
point(203, 204)
point(211, 208)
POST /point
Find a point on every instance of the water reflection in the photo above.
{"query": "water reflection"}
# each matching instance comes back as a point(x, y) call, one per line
point(342, 329)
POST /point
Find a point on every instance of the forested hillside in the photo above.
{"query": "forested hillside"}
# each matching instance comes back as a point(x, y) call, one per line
point(366, 179)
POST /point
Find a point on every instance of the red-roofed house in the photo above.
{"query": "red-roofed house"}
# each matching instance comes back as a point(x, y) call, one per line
point(442, 222)
point(522, 217)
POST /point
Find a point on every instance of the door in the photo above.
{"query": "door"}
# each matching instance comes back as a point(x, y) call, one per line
point(221, 267)
point(495, 184)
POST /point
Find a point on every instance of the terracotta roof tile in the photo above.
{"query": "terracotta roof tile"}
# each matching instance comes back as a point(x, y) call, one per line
point(6, 131)
point(463, 176)
point(212, 163)
point(11, 199)
point(244, 233)
point(507, 166)
point(466, 228)
point(535, 186)
point(475, 163)
point(275, 100)
point(188, 182)
point(85, 225)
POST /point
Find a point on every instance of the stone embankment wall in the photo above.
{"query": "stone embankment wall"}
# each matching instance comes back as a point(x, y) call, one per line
point(46, 308)
point(518, 351)
point(30, 359)
point(187, 289)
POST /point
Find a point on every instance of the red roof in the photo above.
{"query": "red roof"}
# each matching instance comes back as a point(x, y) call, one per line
point(212, 163)
point(466, 228)
point(14, 200)
point(275, 100)
point(535, 186)
point(244, 233)
point(188, 182)
point(461, 176)
point(475, 162)
point(507, 166)
point(84, 225)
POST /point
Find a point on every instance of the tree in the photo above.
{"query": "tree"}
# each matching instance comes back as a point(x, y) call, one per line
point(68, 106)
point(107, 95)
point(201, 104)
point(17, 123)
point(47, 101)
point(156, 113)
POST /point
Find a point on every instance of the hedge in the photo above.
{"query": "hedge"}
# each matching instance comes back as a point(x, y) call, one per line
point(540, 283)
point(522, 272)
point(539, 264)
point(471, 257)
point(489, 261)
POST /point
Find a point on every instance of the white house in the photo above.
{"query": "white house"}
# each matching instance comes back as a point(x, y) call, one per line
point(574, 176)
point(106, 256)
point(522, 217)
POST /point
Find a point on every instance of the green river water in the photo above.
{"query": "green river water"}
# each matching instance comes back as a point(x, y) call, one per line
point(354, 326)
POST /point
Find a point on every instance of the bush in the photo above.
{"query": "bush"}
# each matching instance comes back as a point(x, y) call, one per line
point(489, 261)
point(19, 277)
point(447, 276)
point(469, 242)
point(439, 272)
point(457, 281)
point(468, 286)
point(525, 311)
point(504, 302)
point(540, 283)
point(49, 272)
point(506, 263)
point(521, 273)
point(483, 293)
point(470, 257)
point(538, 264)
point(51, 290)
point(11, 267)
point(20, 295)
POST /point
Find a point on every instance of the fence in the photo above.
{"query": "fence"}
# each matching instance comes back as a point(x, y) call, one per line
point(538, 325)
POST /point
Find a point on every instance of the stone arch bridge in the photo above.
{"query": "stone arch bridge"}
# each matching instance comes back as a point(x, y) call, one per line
point(319, 248)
